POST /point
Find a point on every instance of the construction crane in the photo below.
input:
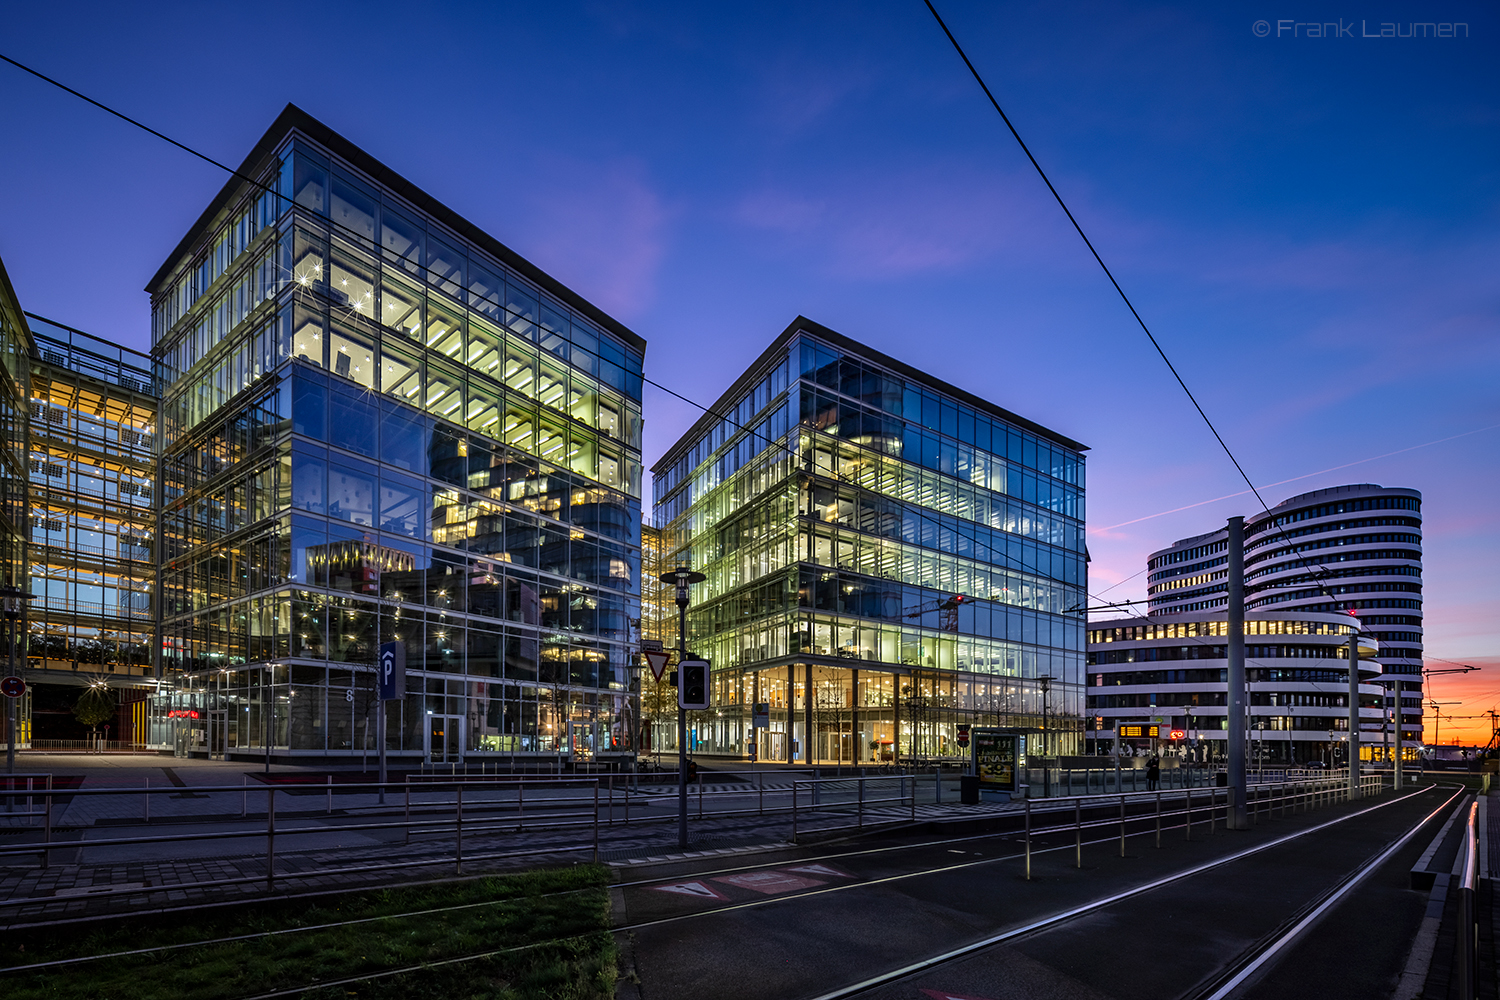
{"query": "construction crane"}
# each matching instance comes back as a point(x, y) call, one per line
point(947, 610)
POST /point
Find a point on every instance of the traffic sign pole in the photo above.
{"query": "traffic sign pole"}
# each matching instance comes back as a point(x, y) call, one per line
point(681, 577)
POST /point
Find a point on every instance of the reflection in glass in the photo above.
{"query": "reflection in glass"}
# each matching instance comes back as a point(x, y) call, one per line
point(353, 355)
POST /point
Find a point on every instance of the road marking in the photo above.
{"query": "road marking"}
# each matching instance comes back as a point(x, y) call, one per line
point(699, 889)
point(820, 870)
point(770, 882)
point(945, 995)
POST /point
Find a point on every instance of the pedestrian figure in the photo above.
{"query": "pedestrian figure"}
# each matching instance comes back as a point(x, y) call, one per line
point(1153, 772)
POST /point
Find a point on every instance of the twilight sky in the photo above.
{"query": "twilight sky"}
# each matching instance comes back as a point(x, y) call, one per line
point(1308, 224)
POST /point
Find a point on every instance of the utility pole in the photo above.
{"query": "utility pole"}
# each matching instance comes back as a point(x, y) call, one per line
point(681, 577)
point(1354, 715)
point(1236, 818)
point(1396, 715)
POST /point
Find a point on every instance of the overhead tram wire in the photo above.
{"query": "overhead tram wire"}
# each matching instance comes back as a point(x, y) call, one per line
point(1110, 275)
point(362, 239)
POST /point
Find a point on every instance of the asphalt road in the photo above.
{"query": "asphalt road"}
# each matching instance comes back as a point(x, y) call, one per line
point(870, 914)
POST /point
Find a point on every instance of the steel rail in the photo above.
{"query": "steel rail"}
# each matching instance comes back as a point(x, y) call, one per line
point(834, 856)
point(865, 985)
point(1251, 963)
point(1073, 913)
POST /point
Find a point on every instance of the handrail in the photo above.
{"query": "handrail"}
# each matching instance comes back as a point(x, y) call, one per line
point(1468, 912)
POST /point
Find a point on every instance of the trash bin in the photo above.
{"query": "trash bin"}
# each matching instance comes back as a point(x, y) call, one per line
point(968, 789)
point(1222, 779)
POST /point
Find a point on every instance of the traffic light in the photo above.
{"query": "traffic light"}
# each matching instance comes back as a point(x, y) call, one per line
point(692, 686)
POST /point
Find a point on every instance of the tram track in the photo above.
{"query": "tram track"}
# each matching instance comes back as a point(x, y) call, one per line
point(1239, 971)
point(852, 990)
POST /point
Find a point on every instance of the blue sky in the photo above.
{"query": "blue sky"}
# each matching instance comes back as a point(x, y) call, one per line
point(1308, 224)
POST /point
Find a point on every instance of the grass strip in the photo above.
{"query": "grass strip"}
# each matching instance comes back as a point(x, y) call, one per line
point(564, 913)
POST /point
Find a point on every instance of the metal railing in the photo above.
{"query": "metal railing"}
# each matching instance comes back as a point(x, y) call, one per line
point(1468, 913)
point(433, 809)
point(841, 796)
point(1144, 811)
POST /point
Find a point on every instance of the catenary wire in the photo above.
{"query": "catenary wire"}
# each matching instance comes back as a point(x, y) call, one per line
point(1009, 561)
point(263, 186)
point(1110, 275)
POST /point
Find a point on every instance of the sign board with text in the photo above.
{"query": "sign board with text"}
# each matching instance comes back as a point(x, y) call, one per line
point(762, 715)
point(999, 758)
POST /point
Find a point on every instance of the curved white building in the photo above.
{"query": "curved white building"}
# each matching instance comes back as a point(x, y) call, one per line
point(1349, 549)
point(1174, 673)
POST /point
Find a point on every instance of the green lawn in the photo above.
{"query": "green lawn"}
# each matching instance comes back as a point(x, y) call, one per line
point(564, 913)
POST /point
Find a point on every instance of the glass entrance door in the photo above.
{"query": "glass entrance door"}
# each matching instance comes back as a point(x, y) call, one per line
point(444, 739)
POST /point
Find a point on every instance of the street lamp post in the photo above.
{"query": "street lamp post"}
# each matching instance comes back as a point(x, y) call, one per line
point(681, 577)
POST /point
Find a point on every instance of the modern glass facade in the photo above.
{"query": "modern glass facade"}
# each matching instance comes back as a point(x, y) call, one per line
point(888, 557)
point(380, 424)
point(93, 494)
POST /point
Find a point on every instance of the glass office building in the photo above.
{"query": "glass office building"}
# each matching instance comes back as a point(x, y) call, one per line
point(93, 489)
point(888, 558)
point(92, 525)
point(381, 424)
point(15, 379)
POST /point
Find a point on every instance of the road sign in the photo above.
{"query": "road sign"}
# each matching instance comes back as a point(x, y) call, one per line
point(656, 660)
point(651, 645)
point(761, 716)
point(12, 687)
point(391, 671)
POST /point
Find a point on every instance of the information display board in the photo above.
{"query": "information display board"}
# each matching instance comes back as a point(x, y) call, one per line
point(999, 759)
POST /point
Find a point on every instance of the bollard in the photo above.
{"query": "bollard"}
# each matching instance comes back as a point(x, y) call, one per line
point(1078, 831)
point(794, 810)
point(1028, 838)
point(1122, 826)
point(47, 833)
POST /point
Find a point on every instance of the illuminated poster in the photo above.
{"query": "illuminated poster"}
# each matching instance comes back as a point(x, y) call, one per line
point(999, 757)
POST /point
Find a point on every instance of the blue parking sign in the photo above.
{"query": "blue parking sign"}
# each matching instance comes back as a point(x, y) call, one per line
point(391, 670)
